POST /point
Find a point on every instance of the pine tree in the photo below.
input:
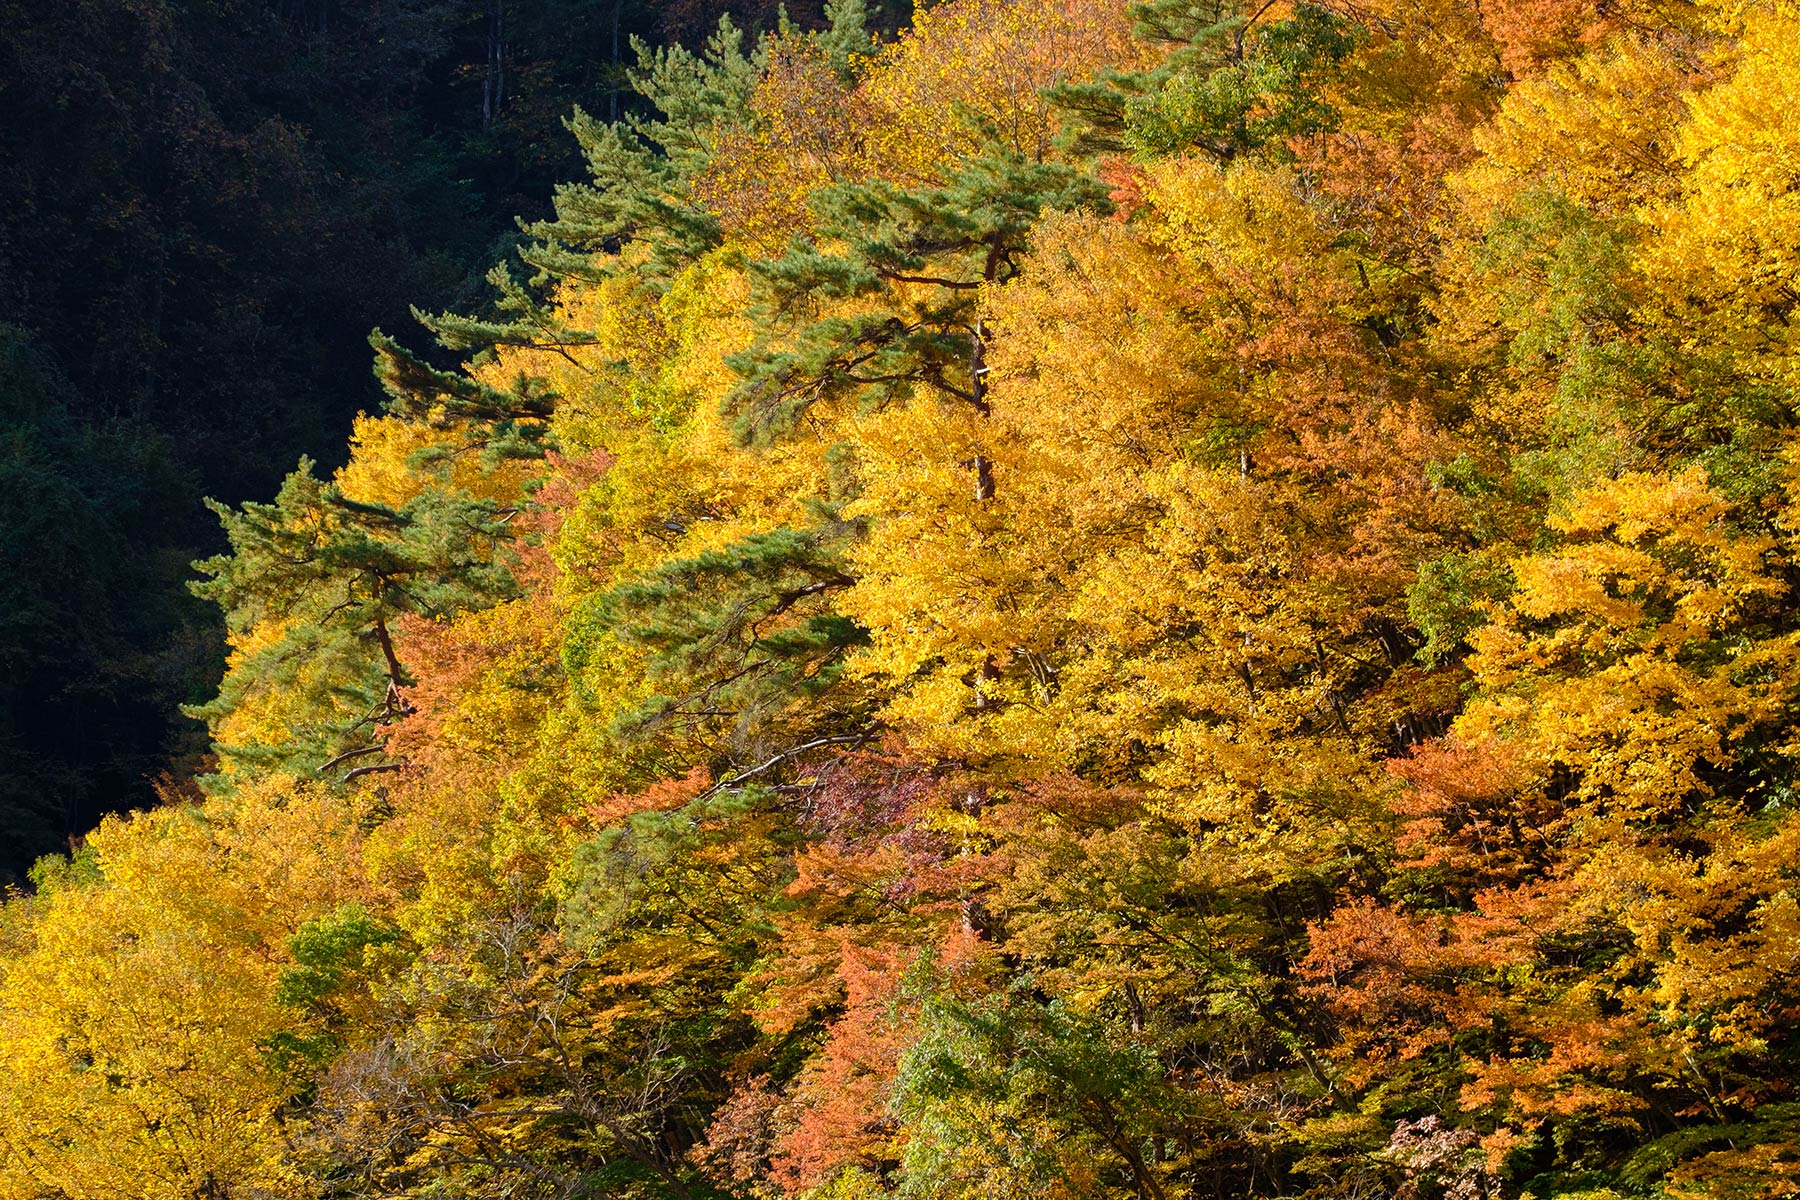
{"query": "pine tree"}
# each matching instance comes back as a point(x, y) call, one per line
point(1227, 85)
point(745, 651)
point(314, 585)
point(640, 167)
point(884, 304)
point(511, 423)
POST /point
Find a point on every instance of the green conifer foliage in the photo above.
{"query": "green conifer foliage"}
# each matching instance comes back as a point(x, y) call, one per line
point(640, 167)
point(1231, 83)
point(332, 575)
point(744, 649)
point(918, 258)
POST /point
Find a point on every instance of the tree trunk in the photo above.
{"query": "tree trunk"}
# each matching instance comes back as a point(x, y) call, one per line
point(978, 369)
point(493, 83)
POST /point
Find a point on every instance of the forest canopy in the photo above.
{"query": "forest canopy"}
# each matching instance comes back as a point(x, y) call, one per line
point(1074, 600)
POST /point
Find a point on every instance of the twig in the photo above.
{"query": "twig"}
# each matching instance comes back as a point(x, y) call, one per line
point(347, 755)
point(374, 770)
point(843, 740)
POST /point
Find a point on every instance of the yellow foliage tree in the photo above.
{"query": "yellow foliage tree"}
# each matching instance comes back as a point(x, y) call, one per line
point(137, 1009)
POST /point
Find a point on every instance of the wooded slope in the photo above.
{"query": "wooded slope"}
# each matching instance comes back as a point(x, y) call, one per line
point(1073, 604)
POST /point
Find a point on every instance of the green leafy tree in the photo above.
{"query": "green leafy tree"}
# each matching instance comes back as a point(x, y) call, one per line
point(1012, 1087)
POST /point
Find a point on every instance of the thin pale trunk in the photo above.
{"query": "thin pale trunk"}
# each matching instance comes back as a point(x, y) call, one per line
point(493, 84)
point(613, 96)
